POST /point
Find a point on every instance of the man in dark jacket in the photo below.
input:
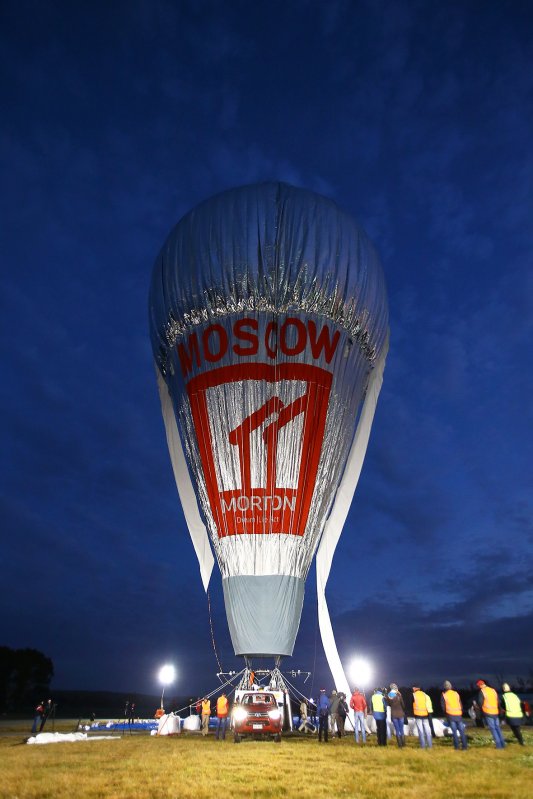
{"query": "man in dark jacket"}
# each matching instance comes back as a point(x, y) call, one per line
point(323, 715)
point(397, 707)
point(334, 700)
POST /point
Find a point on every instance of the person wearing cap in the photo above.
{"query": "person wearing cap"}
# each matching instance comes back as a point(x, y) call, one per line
point(513, 712)
point(359, 706)
point(453, 709)
point(490, 707)
point(379, 711)
point(206, 714)
point(323, 715)
point(420, 712)
point(397, 712)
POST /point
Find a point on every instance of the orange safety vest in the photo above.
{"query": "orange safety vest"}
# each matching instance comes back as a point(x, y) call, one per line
point(420, 707)
point(222, 706)
point(490, 701)
point(452, 703)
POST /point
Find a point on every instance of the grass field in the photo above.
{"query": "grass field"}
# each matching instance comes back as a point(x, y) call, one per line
point(191, 767)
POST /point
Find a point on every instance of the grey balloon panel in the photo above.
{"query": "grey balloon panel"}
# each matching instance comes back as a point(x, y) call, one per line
point(263, 613)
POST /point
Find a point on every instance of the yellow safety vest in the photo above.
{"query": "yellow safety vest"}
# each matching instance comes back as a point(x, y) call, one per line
point(452, 703)
point(490, 701)
point(420, 707)
point(206, 708)
point(378, 703)
point(512, 705)
point(222, 706)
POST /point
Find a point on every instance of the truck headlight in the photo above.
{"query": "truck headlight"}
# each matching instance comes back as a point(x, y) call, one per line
point(239, 714)
point(275, 715)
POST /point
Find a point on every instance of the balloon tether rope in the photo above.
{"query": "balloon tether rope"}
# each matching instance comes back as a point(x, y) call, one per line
point(212, 633)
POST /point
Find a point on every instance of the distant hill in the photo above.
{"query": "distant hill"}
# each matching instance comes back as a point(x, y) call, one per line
point(109, 704)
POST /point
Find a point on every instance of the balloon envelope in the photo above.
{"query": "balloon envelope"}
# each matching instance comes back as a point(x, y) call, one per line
point(268, 313)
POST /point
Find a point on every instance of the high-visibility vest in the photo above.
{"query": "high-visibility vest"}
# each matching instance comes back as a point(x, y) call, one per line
point(378, 703)
point(222, 706)
point(512, 705)
point(429, 703)
point(452, 703)
point(206, 708)
point(490, 701)
point(420, 707)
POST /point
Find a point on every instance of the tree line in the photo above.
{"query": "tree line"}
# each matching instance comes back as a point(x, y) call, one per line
point(25, 676)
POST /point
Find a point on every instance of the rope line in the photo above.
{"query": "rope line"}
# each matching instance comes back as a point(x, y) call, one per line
point(212, 633)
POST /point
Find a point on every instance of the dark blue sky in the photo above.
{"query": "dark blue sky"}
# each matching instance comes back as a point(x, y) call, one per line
point(417, 118)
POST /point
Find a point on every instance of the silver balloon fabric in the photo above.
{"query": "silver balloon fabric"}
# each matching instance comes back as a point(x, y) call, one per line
point(268, 311)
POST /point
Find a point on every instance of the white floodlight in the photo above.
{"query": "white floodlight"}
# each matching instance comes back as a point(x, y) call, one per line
point(167, 675)
point(360, 672)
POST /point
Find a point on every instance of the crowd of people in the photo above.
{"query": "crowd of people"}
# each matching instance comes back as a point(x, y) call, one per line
point(388, 704)
point(328, 715)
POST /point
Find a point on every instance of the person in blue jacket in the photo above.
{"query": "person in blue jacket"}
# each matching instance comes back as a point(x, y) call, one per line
point(323, 715)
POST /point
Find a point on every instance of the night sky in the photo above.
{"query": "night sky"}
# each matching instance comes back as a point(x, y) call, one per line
point(117, 118)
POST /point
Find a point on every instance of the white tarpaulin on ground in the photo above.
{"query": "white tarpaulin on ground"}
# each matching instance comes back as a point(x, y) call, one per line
point(68, 737)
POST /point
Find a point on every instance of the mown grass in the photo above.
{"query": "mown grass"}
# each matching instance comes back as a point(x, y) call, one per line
point(191, 767)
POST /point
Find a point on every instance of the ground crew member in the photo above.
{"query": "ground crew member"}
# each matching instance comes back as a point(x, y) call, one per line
point(323, 715)
point(222, 715)
point(359, 706)
point(379, 711)
point(490, 707)
point(453, 709)
point(513, 712)
point(420, 712)
point(206, 713)
point(38, 717)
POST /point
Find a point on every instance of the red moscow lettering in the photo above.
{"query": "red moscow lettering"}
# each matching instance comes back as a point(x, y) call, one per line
point(215, 341)
point(239, 328)
point(301, 341)
point(272, 327)
point(322, 342)
point(186, 355)
point(215, 355)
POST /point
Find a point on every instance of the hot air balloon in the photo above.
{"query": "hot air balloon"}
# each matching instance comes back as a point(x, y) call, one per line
point(269, 328)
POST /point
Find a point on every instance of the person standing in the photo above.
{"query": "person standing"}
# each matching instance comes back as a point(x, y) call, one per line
point(222, 715)
point(513, 712)
point(323, 715)
point(453, 709)
point(303, 716)
point(359, 706)
point(490, 707)
point(38, 717)
point(397, 709)
point(379, 711)
point(340, 716)
point(48, 710)
point(334, 700)
point(420, 712)
point(206, 715)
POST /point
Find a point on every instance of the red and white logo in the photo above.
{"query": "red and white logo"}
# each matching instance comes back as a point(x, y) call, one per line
point(260, 474)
